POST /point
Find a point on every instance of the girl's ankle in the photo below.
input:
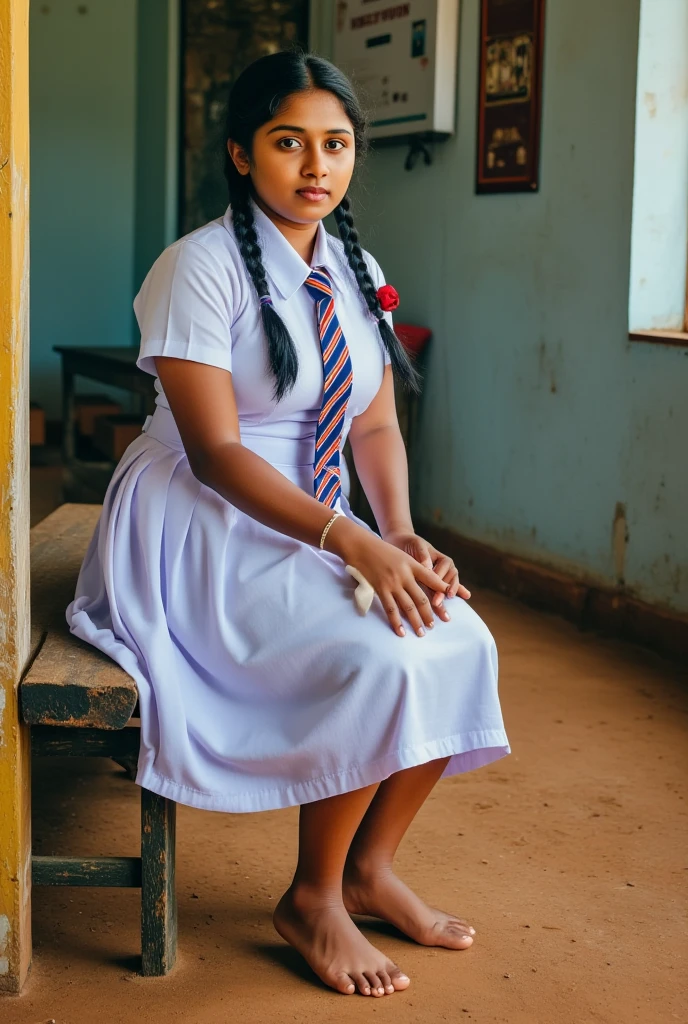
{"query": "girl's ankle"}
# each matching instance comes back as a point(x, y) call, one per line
point(363, 869)
point(306, 895)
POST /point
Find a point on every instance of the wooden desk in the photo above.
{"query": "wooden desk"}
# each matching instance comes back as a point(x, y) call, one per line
point(114, 366)
point(117, 366)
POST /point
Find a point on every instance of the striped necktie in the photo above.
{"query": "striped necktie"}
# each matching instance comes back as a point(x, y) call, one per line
point(338, 380)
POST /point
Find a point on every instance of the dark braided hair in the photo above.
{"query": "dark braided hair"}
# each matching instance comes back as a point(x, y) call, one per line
point(254, 99)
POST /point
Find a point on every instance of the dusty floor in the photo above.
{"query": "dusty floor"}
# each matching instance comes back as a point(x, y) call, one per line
point(569, 857)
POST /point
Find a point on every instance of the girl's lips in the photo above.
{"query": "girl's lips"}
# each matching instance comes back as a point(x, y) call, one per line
point(311, 194)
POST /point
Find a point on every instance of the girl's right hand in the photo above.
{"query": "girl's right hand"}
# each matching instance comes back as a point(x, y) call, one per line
point(395, 576)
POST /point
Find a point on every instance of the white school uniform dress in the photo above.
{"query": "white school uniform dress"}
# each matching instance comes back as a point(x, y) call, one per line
point(260, 683)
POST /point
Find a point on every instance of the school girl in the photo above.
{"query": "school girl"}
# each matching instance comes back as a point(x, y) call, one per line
point(217, 573)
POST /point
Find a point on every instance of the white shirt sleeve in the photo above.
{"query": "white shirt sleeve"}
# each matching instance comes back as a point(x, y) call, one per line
point(378, 280)
point(184, 308)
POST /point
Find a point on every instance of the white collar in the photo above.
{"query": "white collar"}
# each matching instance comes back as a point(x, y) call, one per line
point(286, 269)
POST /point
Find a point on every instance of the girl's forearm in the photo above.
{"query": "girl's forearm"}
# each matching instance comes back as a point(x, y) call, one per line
point(382, 468)
point(253, 485)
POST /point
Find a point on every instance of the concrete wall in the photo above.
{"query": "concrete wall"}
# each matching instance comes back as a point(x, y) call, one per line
point(83, 146)
point(544, 432)
point(103, 90)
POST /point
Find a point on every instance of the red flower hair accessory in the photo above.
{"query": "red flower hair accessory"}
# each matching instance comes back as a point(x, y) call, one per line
point(388, 297)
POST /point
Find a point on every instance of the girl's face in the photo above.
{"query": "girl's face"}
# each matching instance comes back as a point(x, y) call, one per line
point(303, 159)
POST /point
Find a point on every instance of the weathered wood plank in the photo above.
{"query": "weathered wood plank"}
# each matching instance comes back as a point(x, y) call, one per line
point(58, 545)
point(91, 871)
point(69, 682)
point(63, 741)
point(158, 895)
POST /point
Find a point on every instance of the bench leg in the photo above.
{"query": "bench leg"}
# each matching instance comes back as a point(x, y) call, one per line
point(158, 896)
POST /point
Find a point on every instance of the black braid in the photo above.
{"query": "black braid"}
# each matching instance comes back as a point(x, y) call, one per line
point(401, 364)
point(281, 349)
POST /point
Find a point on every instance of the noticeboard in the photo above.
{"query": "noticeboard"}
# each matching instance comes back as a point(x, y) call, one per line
point(402, 60)
point(510, 95)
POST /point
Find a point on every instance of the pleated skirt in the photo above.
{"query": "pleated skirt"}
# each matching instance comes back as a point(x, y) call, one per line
point(260, 683)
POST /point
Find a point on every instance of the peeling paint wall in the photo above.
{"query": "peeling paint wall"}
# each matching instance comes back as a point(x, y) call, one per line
point(539, 419)
point(4, 944)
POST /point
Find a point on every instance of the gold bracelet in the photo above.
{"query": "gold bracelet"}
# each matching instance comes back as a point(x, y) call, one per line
point(324, 533)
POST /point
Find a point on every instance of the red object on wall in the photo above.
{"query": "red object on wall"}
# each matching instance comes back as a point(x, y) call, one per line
point(414, 339)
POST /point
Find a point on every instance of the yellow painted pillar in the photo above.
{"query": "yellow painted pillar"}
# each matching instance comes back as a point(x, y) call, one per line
point(15, 822)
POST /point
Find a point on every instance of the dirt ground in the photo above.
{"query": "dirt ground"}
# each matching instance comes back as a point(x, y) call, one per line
point(570, 858)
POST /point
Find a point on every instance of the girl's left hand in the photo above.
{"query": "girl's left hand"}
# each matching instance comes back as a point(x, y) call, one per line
point(431, 558)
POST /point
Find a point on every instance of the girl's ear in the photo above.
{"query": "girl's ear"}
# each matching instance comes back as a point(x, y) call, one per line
point(239, 156)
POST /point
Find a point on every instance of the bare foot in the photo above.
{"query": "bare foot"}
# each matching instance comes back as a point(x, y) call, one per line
point(322, 931)
point(381, 894)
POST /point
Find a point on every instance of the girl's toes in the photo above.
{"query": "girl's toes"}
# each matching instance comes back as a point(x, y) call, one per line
point(362, 983)
point(460, 936)
point(398, 978)
point(386, 981)
point(343, 983)
point(376, 986)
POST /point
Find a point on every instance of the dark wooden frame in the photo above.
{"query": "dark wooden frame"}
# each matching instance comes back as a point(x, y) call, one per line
point(529, 181)
point(152, 872)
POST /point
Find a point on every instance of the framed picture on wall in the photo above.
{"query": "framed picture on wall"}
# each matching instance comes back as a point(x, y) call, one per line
point(510, 95)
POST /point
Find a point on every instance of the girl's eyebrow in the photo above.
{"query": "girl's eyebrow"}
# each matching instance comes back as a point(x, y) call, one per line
point(295, 128)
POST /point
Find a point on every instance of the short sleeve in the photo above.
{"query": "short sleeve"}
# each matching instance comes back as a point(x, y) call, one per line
point(378, 280)
point(184, 309)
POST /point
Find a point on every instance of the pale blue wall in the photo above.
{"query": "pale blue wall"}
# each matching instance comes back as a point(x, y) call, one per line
point(83, 119)
point(538, 416)
point(103, 93)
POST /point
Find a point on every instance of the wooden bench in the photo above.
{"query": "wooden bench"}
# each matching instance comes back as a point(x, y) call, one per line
point(78, 702)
